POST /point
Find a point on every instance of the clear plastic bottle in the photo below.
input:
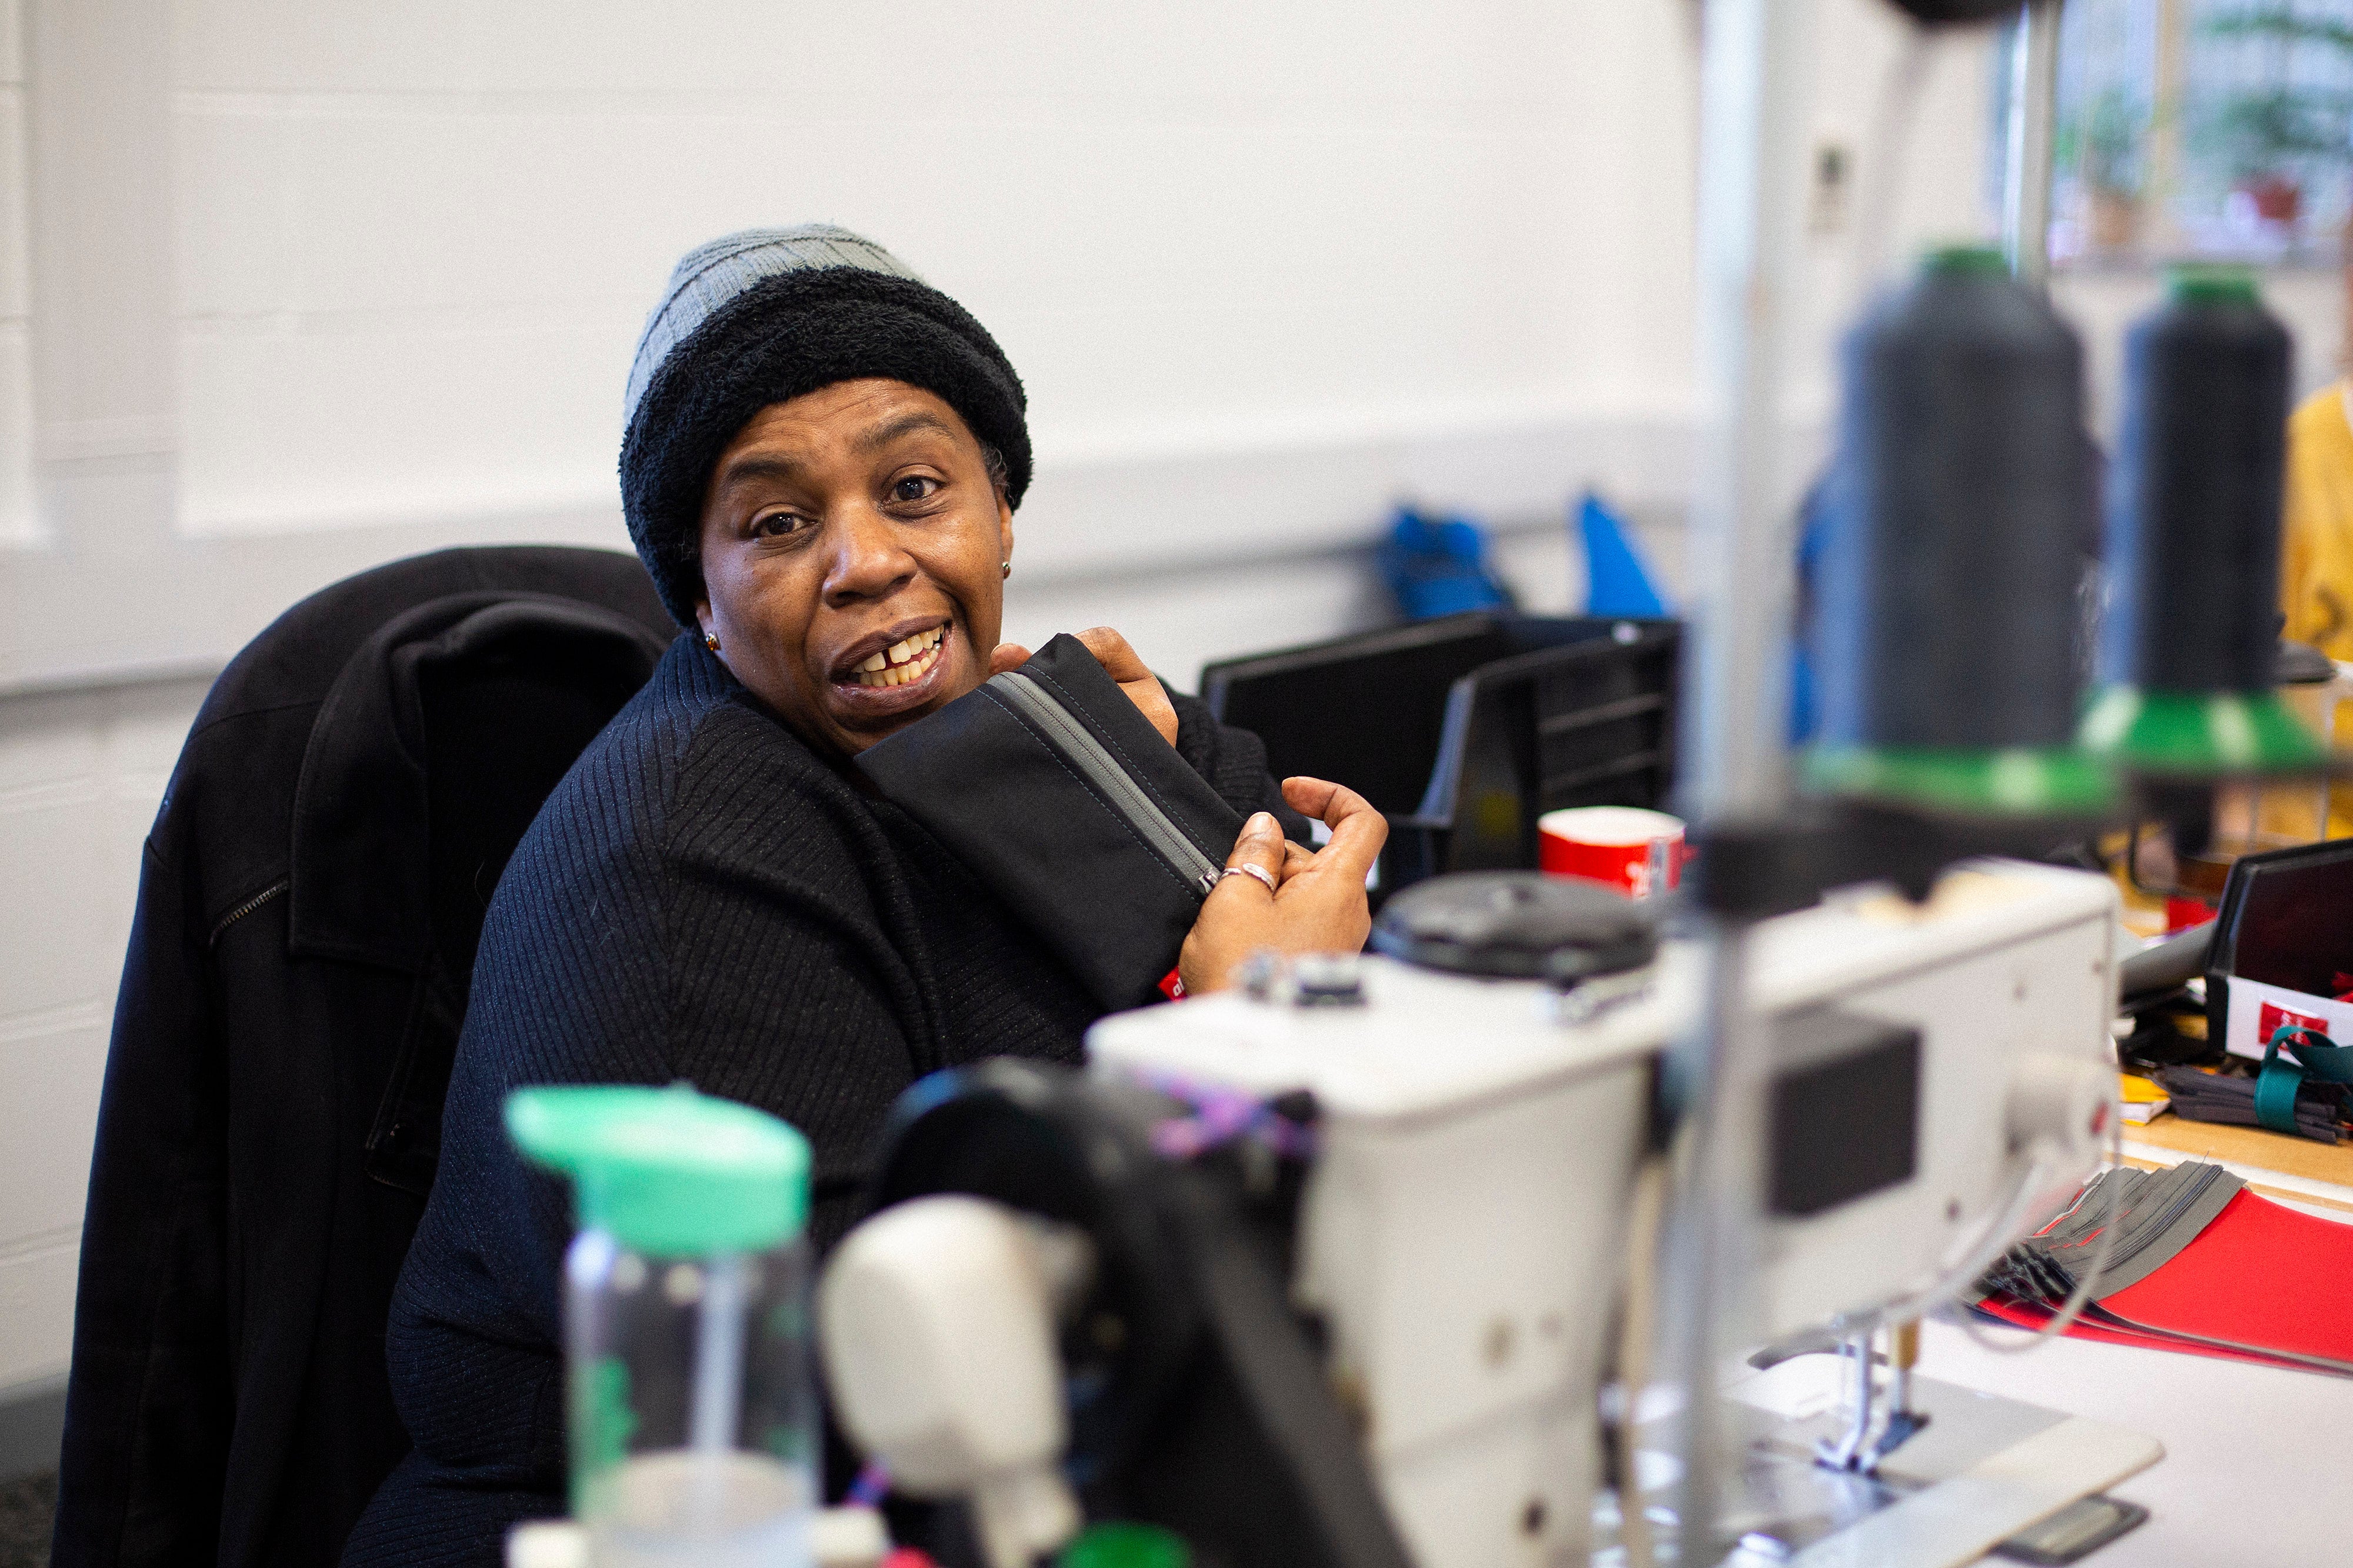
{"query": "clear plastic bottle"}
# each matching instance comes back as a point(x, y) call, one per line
point(691, 1411)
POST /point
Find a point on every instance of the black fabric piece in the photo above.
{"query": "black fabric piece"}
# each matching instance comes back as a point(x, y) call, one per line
point(2230, 1101)
point(1047, 839)
point(268, 1121)
point(779, 339)
point(703, 898)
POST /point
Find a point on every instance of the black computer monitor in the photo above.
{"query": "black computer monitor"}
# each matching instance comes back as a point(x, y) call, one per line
point(2286, 920)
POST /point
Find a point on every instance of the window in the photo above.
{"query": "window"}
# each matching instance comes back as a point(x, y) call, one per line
point(2204, 128)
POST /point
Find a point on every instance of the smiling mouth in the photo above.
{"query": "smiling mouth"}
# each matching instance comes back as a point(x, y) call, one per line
point(901, 662)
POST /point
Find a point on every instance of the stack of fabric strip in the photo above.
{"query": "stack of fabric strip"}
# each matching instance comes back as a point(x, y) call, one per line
point(2220, 1097)
point(2197, 1264)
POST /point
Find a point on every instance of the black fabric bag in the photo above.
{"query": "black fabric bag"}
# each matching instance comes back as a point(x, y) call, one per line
point(1096, 832)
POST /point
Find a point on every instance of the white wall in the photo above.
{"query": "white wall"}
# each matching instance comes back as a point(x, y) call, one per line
point(416, 243)
point(16, 364)
point(80, 774)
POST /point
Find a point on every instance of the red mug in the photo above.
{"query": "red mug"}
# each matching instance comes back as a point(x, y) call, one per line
point(1638, 852)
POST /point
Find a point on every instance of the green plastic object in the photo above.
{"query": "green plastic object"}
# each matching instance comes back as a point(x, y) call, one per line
point(2198, 734)
point(2019, 781)
point(668, 1170)
point(2211, 283)
point(1964, 260)
point(1125, 1546)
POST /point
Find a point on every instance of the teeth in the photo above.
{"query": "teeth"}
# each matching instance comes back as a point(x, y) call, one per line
point(901, 662)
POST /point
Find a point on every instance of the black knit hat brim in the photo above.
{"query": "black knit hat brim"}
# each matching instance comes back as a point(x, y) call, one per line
point(782, 338)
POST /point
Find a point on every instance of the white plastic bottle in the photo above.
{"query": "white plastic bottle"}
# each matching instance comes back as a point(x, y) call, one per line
point(688, 1403)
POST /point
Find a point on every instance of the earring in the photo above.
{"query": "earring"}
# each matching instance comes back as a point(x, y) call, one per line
point(1008, 569)
point(710, 641)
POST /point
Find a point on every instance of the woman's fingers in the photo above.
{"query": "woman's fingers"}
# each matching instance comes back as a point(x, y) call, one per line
point(1142, 687)
point(1261, 846)
point(1358, 828)
point(1007, 656)
point(1111, 651)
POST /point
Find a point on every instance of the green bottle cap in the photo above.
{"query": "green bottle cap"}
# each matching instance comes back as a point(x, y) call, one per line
point(2198, 734)
point(668, 1170)
point(1125, 1546)
point(2211, 283)
point(2015, 781)
point(1963, 261)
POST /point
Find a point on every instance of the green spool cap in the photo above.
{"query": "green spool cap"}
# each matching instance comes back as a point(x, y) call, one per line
point(1964, 261)
point(2017, 781)
point(2211, 283)
point(668, 1170)
point(1125, 1546)
point(2198, 734)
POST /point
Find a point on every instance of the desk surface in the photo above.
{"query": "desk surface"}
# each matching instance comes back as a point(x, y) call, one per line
point(2275, 1163)
point(2243, 1480)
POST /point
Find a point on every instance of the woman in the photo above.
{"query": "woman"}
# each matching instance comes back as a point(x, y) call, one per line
point(822, 463)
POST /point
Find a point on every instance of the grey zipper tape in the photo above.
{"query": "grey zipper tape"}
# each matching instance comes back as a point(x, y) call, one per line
point(1076, 742)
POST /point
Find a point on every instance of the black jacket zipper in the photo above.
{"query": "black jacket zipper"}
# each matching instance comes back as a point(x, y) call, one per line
point(247, 908)
point(1078, 745)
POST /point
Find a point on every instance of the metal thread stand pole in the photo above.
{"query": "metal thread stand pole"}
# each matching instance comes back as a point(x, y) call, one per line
point(2026, 169)
point(1755, 104)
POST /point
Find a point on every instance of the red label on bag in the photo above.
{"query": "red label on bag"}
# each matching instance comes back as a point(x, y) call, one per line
point(1172, 986)
point(2273, 1017)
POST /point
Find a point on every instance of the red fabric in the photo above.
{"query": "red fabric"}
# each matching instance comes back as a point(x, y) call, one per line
point(2259, 1275)
point(2025, 1317)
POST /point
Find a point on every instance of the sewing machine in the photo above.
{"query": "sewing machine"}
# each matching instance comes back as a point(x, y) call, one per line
point(1326, 1269)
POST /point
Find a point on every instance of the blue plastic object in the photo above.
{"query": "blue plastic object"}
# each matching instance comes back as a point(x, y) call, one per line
point(1617, 582)
point(1439, 566)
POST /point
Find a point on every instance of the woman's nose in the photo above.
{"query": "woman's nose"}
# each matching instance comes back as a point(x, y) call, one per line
point(868, 559)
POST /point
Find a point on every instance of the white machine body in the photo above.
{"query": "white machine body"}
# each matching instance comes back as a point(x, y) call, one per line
point(1462, 1228)
point(937, 1322)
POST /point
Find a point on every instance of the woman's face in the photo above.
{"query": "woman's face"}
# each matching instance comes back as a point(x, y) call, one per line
point(853, 554)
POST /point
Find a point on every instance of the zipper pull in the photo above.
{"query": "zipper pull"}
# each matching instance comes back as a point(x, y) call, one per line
point(1210, 879)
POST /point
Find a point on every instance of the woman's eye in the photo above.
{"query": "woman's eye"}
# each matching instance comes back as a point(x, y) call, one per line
point(775, 525)
point(915, 486)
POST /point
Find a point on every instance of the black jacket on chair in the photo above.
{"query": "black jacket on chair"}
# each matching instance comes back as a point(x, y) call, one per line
point(310, 900)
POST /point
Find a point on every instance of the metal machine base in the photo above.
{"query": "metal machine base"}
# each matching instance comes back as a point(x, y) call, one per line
point(1983, 1469)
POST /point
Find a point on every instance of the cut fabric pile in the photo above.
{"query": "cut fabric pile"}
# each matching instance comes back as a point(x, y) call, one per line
point(2197, 1264)
point(2218, 1096)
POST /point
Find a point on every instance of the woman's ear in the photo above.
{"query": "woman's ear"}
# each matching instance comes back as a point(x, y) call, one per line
point(1004, 529)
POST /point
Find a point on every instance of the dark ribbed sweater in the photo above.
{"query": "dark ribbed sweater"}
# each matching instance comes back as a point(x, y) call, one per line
point(702, 898)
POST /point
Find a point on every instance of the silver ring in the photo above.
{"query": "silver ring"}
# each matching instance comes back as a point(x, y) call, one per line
point(1264, 876)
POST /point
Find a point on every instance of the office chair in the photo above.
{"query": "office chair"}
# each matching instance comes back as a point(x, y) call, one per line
point(309, 900)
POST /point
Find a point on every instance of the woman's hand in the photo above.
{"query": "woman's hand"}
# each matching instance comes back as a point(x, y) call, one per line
point(1119, 662)
point(1317, 902)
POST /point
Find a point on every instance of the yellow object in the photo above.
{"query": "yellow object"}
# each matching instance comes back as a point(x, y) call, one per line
point(2316, 578)
point(2137, 1090)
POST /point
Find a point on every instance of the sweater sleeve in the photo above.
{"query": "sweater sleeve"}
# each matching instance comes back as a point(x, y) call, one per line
point(785, 991)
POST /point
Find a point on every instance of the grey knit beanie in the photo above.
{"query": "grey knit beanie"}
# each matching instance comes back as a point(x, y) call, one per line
point(761, 317)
